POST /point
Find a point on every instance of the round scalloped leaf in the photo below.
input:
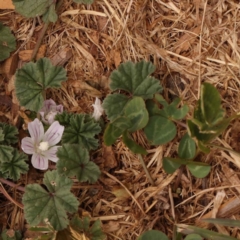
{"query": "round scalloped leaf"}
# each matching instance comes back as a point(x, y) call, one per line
point(33, 79)
point(114, 104)
point(135, 79)
point(160, 130)
point(74, 161)
point(135, 110)
point(187, 147)
point(198, 169)
point(50, 206)
point(7, 42)
point(30, 8)
point(153, 235)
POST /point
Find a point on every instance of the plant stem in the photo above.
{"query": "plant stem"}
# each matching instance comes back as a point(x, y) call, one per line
point(11, 184)
point(43, 31)
point(146, 170)
point(224, 148)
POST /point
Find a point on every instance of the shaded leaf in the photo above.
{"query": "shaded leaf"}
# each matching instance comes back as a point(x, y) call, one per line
point(114, 104)
point(74, 161)
point(10, 234)
point(50, 206)
point(16, 166)
point(7, 42)
point(50, 15)
point(193, 236)
point(153, 235)
point(6, 153)
point(1, 135)
point(29, 8)
point(9, 133)
point(187, 147)
point(34, 78)
point(64, 118)
point(170, 165)
point(152, 108)
point(135, 79)
point(132, 145)
point(135, 110)
point(198, 169)
point(160, 130)
point(84, 1)
point(82, 130)
point(115, 129)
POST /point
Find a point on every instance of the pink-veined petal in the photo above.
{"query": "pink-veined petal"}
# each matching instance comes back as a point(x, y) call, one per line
point(39, 161)
point(59, 108)
point(51, 153)
point(53, 134)
point(51, 117)
point(42, 114)
point(36, 130)
point(48, 105)
point(28, 145)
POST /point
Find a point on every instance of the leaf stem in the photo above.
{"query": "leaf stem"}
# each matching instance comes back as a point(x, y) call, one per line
point(146, 170)
point(43, 31)
point(224, 148)
point(11, 184)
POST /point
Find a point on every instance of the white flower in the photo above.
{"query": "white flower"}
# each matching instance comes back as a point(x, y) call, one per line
point(49, 110)
point(42, 145)
point(98, 109)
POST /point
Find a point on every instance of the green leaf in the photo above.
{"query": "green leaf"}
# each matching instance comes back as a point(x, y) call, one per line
point(50, 15)
point(223, 221)
point(153, 235)
point(9, 133)
point(152, 108)
point(64, 118)
point(193, 236)
point(115, 129)
point(135, 110)
point(74, 161)
point(1, 135)
point(135, 79)
point(50, 206)
point(170, 165)
point(6, 153)
point(187, 147)
point(210, 102)
point(7, 42)
point(30, 9)
point(33, 79)
point(160, 130)
point(82, 130)
point(84, 1)
point(132, 145)
point(114, 104)
point(10, 234)
point(198, 169)
point(160, 99)
point(16, 166)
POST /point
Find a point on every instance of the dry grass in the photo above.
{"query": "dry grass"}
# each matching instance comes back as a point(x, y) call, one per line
point(189, 42)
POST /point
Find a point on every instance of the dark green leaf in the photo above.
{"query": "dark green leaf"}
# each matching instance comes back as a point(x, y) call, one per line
point(64, 118)
point(193, 236)
point(114, 104)
point(1, 135)
point(34, 78)
point(132, 145)
point(9, 133)
point(152, 108)
point(187, 147)
point(16, 166)
point(161, 100)
point(115, 129)
point(50, 15)
point(135, 110)
point(170, 165)
point(6, 153)
point(153, 235)
point(7, 42)
point(198, 169)
point(74, 161)
point(211, 104)
point(51, 206)
point(135, 79)
point(30, 9)
point(160, 130)
point(82, 130)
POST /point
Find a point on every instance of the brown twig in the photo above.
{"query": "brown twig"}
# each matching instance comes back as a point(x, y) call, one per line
point(11, 184)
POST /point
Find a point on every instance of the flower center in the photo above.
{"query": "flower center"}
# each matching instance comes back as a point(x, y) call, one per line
point(43, 146)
